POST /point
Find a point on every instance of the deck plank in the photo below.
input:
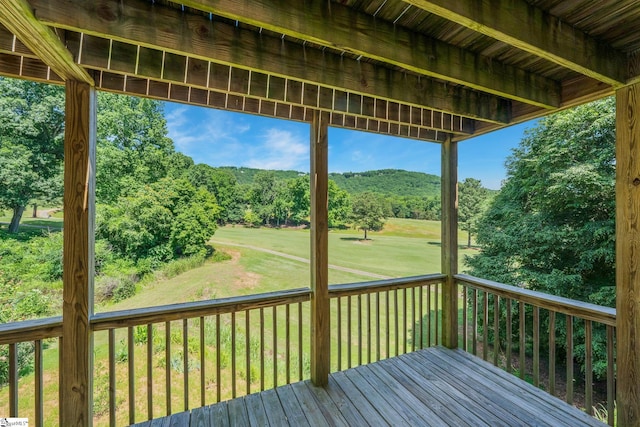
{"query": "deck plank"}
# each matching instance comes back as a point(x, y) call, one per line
point(201, 417)
point(255, 410)
point(509, 406)
point(432, 387)
point(292, 408)
point(220, 414)
point(275, 412)
point(238, 412)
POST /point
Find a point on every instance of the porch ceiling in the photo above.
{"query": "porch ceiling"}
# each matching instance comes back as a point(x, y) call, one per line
point(416, 68)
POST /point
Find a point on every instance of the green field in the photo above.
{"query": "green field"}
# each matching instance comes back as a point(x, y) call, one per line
point(404, 248)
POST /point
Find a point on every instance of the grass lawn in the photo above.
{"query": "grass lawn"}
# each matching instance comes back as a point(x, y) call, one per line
point(403, 248)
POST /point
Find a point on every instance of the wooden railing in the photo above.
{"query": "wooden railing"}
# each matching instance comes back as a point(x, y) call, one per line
point(24, 344)
point(381, 319)
point(517, 328)
point(151, 362)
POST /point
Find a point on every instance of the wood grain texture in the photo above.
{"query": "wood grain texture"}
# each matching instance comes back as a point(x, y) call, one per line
point(627, 258)
point(337, 26)
point(200, 38)
point(320, 315)
point(40, 39)
point(525, 27)
point(78, 260)
point(449, 247)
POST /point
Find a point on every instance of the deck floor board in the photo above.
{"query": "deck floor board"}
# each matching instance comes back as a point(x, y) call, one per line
point(432, 387)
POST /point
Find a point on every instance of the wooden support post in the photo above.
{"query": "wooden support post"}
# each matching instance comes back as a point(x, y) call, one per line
point(449, 248)
point(78, 267)
point(627, 250)
point(320, 332)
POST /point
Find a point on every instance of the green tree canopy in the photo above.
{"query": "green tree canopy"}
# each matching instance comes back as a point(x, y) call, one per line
point(368, 212)
point(31, 137)
point(471, 203)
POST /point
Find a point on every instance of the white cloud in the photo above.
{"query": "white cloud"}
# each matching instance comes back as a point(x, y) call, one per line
point(280, 149)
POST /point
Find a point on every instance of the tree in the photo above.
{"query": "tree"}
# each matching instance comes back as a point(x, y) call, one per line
point(552, 226)
point(223, 185)
point(31, 137)
point(132, 148)
point(368, 212)
point(339, 205)
point(471, 204)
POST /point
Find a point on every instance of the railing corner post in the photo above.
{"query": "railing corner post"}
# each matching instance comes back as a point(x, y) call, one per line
point(449, 247)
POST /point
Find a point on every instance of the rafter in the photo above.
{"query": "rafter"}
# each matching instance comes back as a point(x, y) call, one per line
point(16, 15)
point(526, 27)
point(198, 37)
point(333, 25)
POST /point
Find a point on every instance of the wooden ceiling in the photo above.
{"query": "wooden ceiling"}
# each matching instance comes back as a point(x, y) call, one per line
point(416, 68)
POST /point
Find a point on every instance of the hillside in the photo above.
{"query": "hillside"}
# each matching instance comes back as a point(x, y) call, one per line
point(385, 181)
point(389, 182)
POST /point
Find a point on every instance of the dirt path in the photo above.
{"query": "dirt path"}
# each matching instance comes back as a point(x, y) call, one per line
point(304, 260)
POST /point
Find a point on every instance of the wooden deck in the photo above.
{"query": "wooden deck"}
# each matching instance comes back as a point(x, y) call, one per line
point(432, 387)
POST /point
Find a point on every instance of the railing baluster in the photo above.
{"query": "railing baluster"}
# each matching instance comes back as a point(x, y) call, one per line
point(588, 368)
point(569, 391)
point(39, 391)
point(421, 315)
point(536, 346)
point(261, 349)
point(474, 322)
point(218, 362)
point(552, 353)
point(167, 356)
point(339, 322)
point(368, 328)
point(349, 331)
point(185, 361)
point(233, 355)
point(509, 337)
point(131, 370)
point(275, 347)
point(359, 329)
point(404, 320)
point(112, 377)
point(378, 326)
point(485, 326)
point(149, 372)
point(397, 327)
point(429, 291)
point(288, 344)
point(247, 349)
point(522, 327)
point(437, 312)
point(300, 348)
point(202, 362)
point(611, 388)
point(13, 380)
point(496, 329)
point(464, 318)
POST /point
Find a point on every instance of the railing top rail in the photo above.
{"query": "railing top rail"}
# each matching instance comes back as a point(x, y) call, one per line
point(30, 330)
point(584, 310)
point(165, 313)
point(383, 285)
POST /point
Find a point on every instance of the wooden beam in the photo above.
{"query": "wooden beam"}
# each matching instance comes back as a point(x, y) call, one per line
point(78, 260)
point(449, 247)
point(320, 321)
point(531, 29)
point(17, 16)
point(198, 37)
point(333, 25)
point(627, 249)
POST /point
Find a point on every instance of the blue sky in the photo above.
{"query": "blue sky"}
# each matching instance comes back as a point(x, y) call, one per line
point(221, 138)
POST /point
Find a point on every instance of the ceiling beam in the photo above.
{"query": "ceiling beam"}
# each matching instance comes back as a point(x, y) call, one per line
point(333, 25)
point(531, 29)
point(197, 37)
point(16, 15)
